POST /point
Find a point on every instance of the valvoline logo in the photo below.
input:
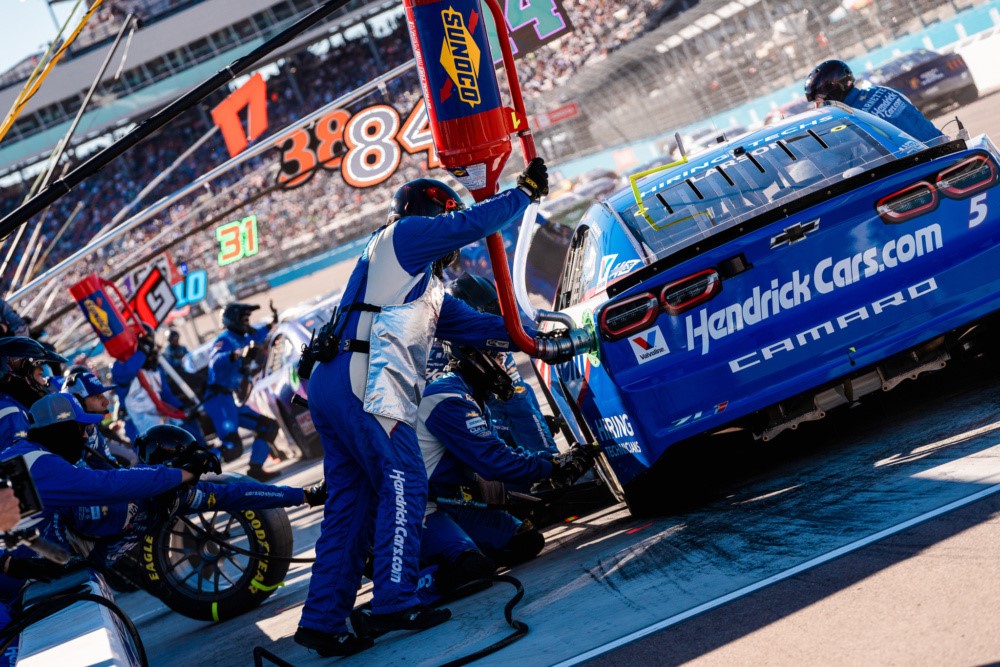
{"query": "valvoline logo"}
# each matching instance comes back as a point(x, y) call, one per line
point(460, 57)
point(648, 345)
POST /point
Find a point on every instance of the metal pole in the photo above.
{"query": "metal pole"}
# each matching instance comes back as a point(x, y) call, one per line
point(62, 230)
point(97, 161)
point(156, 181)
point(61, 147)
point(164, 203)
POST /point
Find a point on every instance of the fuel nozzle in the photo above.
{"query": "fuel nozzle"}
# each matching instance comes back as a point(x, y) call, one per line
point(561, 345)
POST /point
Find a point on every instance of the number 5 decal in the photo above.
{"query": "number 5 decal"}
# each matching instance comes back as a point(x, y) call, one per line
point(977, 209)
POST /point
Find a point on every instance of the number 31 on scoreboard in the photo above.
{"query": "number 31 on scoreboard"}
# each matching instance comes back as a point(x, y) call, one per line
point(237, 239)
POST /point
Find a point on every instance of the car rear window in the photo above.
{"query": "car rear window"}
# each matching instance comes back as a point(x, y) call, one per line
point(711, 193)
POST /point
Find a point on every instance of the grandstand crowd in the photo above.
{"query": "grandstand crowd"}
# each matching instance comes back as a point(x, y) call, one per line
point(288, 220)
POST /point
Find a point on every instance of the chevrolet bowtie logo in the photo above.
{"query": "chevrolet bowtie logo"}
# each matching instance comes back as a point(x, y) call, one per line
point(795, 233)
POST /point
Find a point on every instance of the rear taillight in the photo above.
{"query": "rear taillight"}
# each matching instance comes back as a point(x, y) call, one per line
point(685, 294)
point(908, 203)
point(636, 313)
point(960, 180)
point(955, 63)
point(633, 314)
point(967, 177)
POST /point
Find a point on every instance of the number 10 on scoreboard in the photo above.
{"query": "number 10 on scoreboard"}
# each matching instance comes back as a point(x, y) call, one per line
point(237, 239)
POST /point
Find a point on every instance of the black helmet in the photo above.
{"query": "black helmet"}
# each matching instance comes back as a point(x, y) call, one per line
point(478, 292)
point(831, 80)
point(163, 442)
point(484, 372)
point(236, 317)
point(425, 197)
point(20, 357)
point(21, 348)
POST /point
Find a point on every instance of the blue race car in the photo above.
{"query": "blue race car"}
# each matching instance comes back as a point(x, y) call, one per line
point(770, 280)
point(931, 80)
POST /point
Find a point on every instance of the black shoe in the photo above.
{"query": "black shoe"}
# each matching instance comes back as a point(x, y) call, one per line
point(258, 473)
point(418, 617)
point(231, 452)
point(327, 644)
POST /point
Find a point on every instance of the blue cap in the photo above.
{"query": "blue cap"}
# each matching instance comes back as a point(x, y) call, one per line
point(84, 384)
point(57, 409)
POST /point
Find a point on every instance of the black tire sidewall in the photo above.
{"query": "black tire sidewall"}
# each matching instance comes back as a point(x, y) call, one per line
point(268, 532)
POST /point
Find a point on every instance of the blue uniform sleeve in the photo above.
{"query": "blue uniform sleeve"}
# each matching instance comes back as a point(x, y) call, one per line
point(223, 370)
point(123, 372)
point(419, 240)
point(462, 324)
point(465, 432)
point(241, 496)
point(61, 485)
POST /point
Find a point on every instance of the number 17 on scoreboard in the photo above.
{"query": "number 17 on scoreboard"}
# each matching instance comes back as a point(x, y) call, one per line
point(237, 239)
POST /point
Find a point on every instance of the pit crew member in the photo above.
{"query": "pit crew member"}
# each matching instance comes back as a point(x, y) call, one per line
point(464, 537)
point(363, 397)
point(228, 368)
point(518, 419)
point(834, 80)
point(102, 514)
point(19, 385)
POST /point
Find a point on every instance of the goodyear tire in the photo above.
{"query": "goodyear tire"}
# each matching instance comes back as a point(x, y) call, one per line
point(204, 580)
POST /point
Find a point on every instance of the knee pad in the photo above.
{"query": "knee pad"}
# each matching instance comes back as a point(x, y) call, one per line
point(522, 548)
point(267, 429)
point(469, 566)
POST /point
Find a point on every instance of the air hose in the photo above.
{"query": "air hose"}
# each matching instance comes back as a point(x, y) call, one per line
point(42, 610)
point(520, 627)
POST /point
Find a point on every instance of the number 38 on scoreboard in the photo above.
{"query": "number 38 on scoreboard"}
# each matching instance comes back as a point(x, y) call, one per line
point(366, 147)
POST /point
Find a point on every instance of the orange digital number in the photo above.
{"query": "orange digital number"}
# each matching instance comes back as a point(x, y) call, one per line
point(366, 147)
point(251, 96)
point(298, 161)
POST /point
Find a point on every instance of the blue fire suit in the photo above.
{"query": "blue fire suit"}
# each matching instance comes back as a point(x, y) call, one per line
point(519, 420)
point(374, 472)
point(13, 421)
point(457, 440)
point(115, 508)
point(893, 107)
point(224, 376)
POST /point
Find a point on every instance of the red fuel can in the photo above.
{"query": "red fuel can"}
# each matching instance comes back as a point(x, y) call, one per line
point(93, 294)
point(471, 127)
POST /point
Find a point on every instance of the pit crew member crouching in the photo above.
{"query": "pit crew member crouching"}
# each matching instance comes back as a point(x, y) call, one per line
point(468, 540)
point(102, 514)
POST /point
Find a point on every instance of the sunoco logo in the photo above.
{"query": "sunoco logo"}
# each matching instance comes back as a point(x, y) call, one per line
point(460, 57)
point(98, 317)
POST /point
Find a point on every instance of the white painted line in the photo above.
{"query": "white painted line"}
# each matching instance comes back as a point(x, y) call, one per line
point(752, 588)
